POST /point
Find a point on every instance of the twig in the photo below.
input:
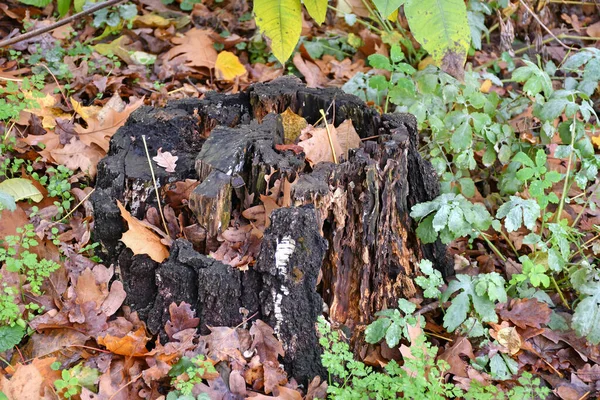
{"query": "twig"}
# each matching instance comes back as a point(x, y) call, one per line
point(77, 206)
point(58, 24)
point(539, 21)
point(155, 187)
point(335, 161)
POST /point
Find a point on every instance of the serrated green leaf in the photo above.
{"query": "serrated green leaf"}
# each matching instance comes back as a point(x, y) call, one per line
point(462, 138)
point(10, 336)
point(387, 7)
point(393, 335)
point(21, 189)
point(317, 9)
point(425, 230)
point(376, 330)
point(281, 21)
point(442, 28)
point(380, 61)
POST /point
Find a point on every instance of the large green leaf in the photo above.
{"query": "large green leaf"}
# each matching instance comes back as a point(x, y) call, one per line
point(317, 9)
point(442, 28)
point(281, 21)
point(63, 7)
point(36, 3)
point(21, 189)
point(387, 7)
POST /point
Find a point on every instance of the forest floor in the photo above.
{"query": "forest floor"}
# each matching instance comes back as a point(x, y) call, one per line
point(514, 139)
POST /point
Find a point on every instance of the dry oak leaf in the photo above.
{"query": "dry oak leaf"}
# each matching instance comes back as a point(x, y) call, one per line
point(25, 384)
point(77, 155)
point(140, 239)
point(197, 46)
point(318, 147)
point(228, 66)
point(166, 160)
point(454, 356)
point(131, 345)
point(264, 341)
point(103, 124)
point(527, 312)
point(282, 393)
point(313, 75)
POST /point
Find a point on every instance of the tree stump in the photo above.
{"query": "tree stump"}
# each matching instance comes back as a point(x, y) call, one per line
point(346, 245)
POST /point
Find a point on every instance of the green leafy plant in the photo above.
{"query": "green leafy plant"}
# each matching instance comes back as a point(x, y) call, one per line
point(420, 377)
point(187, 372)
point(74, 379)
point(18, 96)
point(17, 258)
point(393, 324)
point(481, 292)
point(443, 29)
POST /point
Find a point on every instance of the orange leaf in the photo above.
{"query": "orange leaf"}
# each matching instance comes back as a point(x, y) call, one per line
point(140, 239)
point(132, 345)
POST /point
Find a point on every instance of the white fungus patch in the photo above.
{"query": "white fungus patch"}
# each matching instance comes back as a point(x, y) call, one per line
point(283, 252)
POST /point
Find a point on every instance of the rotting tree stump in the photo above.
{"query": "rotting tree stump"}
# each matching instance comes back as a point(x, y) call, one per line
point(347, 241)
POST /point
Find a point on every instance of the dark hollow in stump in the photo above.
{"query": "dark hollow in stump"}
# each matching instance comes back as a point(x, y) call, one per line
point(347, 246)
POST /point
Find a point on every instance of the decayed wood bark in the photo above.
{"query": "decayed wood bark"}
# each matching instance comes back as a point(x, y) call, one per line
point(349, 222)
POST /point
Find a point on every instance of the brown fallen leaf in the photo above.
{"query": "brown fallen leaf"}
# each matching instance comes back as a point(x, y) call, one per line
point(527, 312)
point(197, 46)
point(131, 345)
point(166, 160)
point(140, 239)
point(25, 384)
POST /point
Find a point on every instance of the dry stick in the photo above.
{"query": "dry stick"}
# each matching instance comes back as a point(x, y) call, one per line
point(539, 21)
point(58, 24)
point(329, 137)
point(155, 187)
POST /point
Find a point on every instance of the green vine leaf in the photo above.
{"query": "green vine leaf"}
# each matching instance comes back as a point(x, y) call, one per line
point(281, 21)
point(442, 28)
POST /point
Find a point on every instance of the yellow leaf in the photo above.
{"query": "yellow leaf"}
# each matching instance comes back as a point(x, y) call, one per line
point(281, 21)
point(393, 16)
point(228, 66)
point(425, 62)
point(292, 126)
point(151, 20)
point(486, 86)
point(86, 113)
point(596, 141)
point(140, 239)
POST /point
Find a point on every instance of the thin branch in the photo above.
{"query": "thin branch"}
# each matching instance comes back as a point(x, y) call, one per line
point(58, 24)
point(539, 21)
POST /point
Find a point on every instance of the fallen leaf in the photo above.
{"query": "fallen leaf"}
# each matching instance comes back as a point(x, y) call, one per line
point(166, 160)
point(509, 338)
point(318, 148)
point(593, 30)
point(228, 66)
point(197, 46)
point(25, 384)
point(105, 123)
point(140, 239)
point(264, 341)
point(131, 345)
point(347, 137)
point(292, 126)
point(182, 317)
point(454, 356)
point(527, 312)
point(313, 75)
